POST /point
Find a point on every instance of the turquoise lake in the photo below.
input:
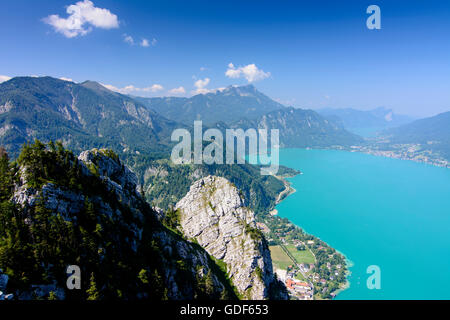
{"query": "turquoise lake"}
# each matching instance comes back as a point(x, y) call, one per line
point(377, 211)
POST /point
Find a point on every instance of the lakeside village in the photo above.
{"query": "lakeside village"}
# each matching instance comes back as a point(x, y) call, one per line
point(310, 268)
point(413, 152)
point(424, 153)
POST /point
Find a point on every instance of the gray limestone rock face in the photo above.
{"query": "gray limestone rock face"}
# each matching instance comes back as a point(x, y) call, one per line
point(123, 183)
point(214, 214)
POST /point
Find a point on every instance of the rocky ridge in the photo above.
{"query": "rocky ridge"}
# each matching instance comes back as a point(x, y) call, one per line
point(213, 213)
point(185, 267)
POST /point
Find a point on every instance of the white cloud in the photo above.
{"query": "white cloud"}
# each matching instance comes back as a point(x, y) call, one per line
point(83, 16)
point(156, 87)
point(249, 72)
point(66, 79)
point(232, 72)
point(201, 86)
point(132, 89)
point(128, 39)
point(143, 43)
point(179, 90)
point(147, 43)
point(4, 78)
point(110, 87)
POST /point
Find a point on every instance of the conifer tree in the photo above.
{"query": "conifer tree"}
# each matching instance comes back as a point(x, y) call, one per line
point(209, 284)
point(92, 292)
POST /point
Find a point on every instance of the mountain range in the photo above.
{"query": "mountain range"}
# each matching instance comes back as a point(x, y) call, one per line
point(300, 128)
point(59, 210)
point(84, 115)
point(378, 118)
point(228, 105)
point(431, 133)
point(88, 115)
point(156, 230)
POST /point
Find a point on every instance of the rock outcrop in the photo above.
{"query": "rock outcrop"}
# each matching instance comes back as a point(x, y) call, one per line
point(213, 214)
point(126, 223)
point(89, 211)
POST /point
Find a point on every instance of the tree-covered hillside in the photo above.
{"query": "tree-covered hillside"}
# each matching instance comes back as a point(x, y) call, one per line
point(300, 128)
point(58, 210)
point(165, 183)
point(432, 133)
point(83, 116)
point(227, 105)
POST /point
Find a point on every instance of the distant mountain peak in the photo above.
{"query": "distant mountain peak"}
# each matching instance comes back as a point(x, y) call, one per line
point(226, 104)
point(231, 89)
point(94, 85)
point(244, 88)
point(380, 117)
point(86, 115)
point(90, 82)
point(32, 79)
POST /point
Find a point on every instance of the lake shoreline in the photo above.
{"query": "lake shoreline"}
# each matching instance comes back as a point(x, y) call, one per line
point(399, 156)
point(288, 189)
point(377, 210)
point(283, 195)
point(435, 161)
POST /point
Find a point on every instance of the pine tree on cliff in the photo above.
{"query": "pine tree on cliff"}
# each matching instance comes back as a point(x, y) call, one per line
point(3, 153)
point(92, 292)
point(5, 176)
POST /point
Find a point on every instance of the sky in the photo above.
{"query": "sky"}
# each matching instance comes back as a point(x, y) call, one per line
point(308, 54)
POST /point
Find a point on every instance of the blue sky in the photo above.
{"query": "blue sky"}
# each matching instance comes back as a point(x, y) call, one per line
point(309, 54)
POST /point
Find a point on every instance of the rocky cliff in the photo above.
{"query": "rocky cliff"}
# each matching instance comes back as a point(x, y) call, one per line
point(58, 210)
point(213, 214)
point(88, 211)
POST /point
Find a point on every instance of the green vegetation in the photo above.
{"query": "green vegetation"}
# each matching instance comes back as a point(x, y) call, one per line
point(84, 116)
point(426, 140)
point(172, 219)
point(326, 260)
point(288, 257)
point(92, 292)
point(301, 256)
point(38, 253)
point(286, 172)
point(255, 234)
point(298, 127)
point(110, 154)
point(237, 101)
point(37, 244)
point(52, 296)
point(301, 128)
point(219, 269)
point(279, 258)
point(259, 272)
point(168, 183)
point(55, 165)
